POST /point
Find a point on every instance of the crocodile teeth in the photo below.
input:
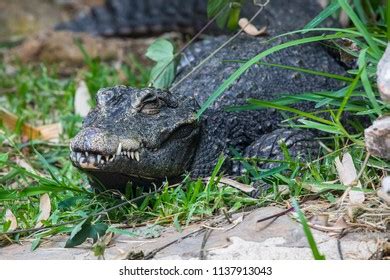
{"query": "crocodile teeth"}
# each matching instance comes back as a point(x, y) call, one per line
point(119, 150)
point(112, 159)
point(78, 156)
point(98, 157)
point(81, 160)
point(132, 155)
point(136, 153)
point(70, 147)
point(86, 154)
point(101, 161)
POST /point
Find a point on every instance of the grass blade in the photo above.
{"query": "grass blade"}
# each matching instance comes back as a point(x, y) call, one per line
point(300, 69)
point(361, 27)
point(266, 104)
point(316, 253)
point(366, 82)
point(327, 12)
point(348, 95)
point(319, 126)
point(229, 81)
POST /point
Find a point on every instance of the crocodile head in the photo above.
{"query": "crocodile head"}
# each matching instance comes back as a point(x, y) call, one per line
point(140, 135)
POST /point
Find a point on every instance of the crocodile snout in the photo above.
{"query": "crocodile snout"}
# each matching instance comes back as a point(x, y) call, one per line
point(94, 140)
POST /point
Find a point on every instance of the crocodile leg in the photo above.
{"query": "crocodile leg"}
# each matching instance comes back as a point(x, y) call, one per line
point(300, 144)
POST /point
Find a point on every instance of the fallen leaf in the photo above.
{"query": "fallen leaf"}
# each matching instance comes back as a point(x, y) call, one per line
point(82, 99)
point(384, 191)
point(22, 163)
point(386, 185)
point(348, 176)
point(50, 131)
point(341, 223)
point(237, 185)
point(321, 220)
point(9, 216)
point(44, 209)
point(44, 132)
point(346, 170)
point(250, 29)
point(10, 121)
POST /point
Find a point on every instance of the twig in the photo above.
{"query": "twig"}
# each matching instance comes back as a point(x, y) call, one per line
point(206, 236)
point(277, 215)
point(189, 43)
point(226, 214)
point(339, 249)
point(363, 167)
point(155, 251)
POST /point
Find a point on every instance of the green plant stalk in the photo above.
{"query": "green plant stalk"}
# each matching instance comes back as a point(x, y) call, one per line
point(232, 78)
point(299, 69)
point(337, 124)
point(366, 82)
point(361, 27)
point(348, 94)
point(388, 19)
point(316, 253)
point(325, 13)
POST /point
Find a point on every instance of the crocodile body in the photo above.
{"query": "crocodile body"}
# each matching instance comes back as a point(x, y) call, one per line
point(134, 18)
point(149, 135)
point(140, 18)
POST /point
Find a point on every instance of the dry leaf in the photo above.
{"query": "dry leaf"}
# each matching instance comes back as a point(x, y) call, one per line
point(45, 132)
point(341, 223)
point(10, 120)
point(50, 131)
point(82, 99)
point(323, 3)
point(386, 185)
point(321, 219)
point(250, 29)
point(44, 209)
point(384, 191)
point(346, 170)
point(22, 163)
point(9, 216)
point(237, 185)
point(348, 176)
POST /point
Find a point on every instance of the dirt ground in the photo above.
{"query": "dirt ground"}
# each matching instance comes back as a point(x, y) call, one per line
point(244, 238)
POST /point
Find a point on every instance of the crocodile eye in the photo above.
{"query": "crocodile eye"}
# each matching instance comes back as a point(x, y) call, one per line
point(151, 106)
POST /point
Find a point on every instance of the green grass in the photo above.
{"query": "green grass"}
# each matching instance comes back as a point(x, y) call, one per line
point(37, 94)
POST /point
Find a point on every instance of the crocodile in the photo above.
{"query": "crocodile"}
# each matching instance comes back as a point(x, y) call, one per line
point(137, 18)
point(141, 18)
point(147, 136)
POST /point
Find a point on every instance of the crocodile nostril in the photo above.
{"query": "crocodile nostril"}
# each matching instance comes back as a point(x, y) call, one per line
point(93, 140)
